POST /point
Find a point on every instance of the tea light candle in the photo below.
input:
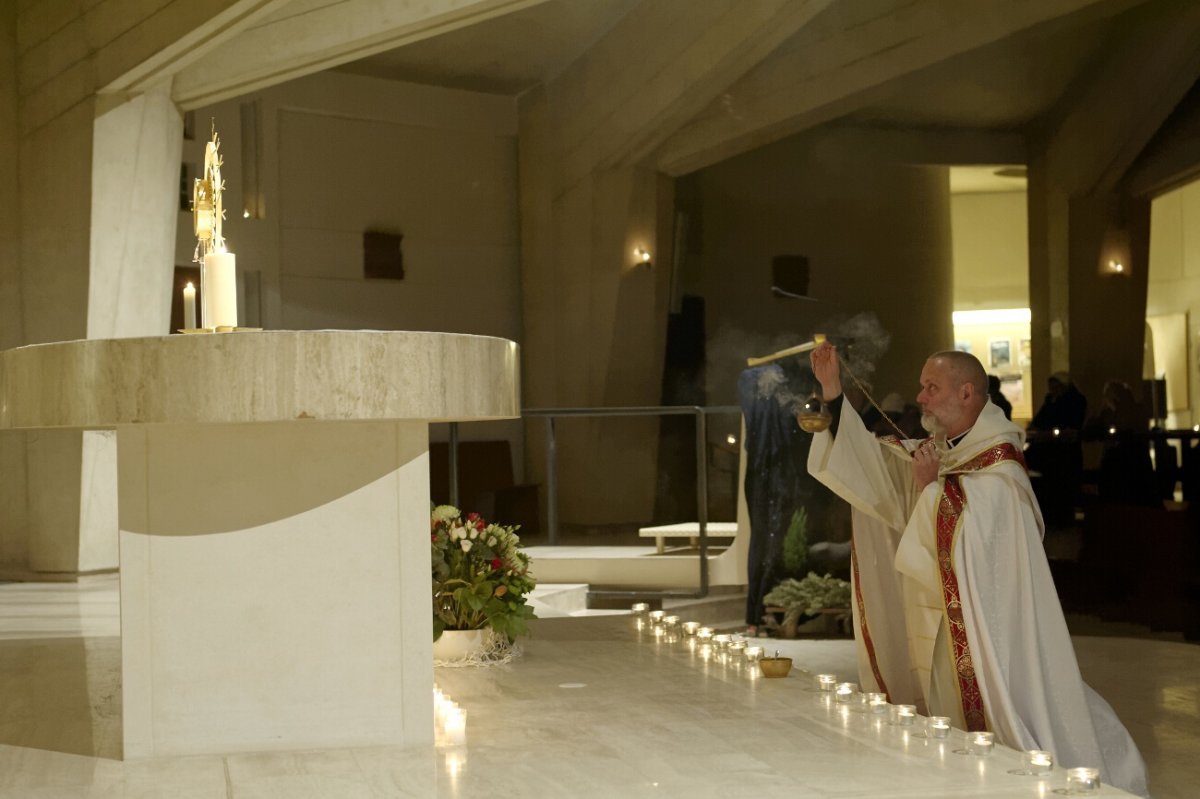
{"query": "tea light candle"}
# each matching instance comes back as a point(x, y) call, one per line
point(639, 608)
point(877, 703)
point(753, 653)
point(670, 621)
point(903, 715)
point(938, 727)
point(656, 616)
point(826, 682)
point(1038, 762)
point(1083, 780)
point(981, 743)
point(845, 692)
point(721, 640)
point(690, 627)
point(704, 634)
point(737, 646)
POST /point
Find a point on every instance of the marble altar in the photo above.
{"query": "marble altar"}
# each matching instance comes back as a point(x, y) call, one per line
point(256, 472)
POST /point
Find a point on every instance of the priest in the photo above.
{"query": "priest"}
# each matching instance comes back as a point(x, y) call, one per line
point(987, 640)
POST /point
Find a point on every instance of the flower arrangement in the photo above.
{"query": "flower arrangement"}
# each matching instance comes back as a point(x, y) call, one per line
point(809, 596)
point(481, 577)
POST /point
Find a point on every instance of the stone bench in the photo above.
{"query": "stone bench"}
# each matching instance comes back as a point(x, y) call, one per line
point(689, 530)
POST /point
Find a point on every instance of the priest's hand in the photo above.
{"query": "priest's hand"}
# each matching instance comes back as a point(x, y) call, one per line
point(827, 369)
point(925, 464)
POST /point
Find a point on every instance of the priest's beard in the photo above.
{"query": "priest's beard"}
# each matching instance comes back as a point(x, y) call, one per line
point(932, 424)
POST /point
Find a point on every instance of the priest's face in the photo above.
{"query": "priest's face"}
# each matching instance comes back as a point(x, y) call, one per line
point(943, 406)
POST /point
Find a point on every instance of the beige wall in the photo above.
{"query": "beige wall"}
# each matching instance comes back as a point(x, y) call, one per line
point(876, 233)
point(1174, 283)
point(991, 250)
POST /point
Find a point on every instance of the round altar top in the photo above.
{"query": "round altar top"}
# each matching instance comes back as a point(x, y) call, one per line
point(269, 376)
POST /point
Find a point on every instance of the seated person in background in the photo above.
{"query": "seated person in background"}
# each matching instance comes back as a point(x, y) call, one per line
point(1055, 458)
point(1126, 473)
point(997, 396)
point(1064, 408)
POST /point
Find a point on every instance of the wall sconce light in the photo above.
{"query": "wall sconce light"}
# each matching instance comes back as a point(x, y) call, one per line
point(641, 257)
point(1115, 252)
point(1116, 267)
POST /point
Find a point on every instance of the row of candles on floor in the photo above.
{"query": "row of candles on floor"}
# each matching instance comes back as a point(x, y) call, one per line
point(845, 695)
point(449, 720)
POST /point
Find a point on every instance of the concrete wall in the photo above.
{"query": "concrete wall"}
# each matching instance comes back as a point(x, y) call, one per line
point(341, 154)
point(876, 233)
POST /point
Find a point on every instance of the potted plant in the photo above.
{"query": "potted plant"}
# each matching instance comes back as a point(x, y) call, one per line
point(808, 597)
point(481, 583)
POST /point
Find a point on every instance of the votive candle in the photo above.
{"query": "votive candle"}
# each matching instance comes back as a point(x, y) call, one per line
point(753, 653)
point(1039, 762)
point(903, 715)
point(981, 743)
point(670, 621)
point(656, 616)
point(826, 682)
point(704, 634)
point(690, 627)
point(938, 727)
point(639, 608)
point(845, 692)
point(720, 641)
point(1083, 780)
point(877, 703)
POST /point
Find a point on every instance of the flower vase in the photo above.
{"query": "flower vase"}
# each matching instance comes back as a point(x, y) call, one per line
point(460, 644)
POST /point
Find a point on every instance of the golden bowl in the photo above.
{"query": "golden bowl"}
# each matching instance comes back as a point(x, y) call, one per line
point(813, 422)
point(775, 667)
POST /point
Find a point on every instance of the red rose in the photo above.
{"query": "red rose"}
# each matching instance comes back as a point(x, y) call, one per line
point(496, 564)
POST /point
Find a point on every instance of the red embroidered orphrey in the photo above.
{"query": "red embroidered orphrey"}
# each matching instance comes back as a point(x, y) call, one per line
point(864, 628)
point(949, 517)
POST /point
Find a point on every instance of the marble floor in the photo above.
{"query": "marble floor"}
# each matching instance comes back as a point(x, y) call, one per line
point(593, 708)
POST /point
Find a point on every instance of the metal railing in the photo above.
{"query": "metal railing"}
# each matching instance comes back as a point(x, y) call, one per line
point(550, 415)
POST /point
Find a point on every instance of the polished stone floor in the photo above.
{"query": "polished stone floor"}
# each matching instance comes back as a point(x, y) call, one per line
point(593, 708)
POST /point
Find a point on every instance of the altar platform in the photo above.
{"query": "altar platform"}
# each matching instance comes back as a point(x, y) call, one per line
point(589, 711)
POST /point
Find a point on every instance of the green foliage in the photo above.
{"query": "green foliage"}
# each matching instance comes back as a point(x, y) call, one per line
point(480, 575)
point(795, 543)
point(808, 596)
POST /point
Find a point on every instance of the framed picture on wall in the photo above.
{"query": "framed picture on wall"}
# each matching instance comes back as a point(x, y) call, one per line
point(962, 346)
point(1025, 353)
point(999, 353)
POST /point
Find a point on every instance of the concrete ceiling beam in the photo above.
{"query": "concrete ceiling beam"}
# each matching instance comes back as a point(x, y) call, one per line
point(307, 36)
point(851, 56)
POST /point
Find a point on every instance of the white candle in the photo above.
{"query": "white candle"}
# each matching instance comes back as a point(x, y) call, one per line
point(981, 743)
point(826, 682)
point(903, 715)
point(938, 727)
point(1083, 780)
point(845, 692)
point(219, 279)
point(189, 307)
point(690, 627)
point(704, 634)
point(670, 621)
point(1039, 762)
point(753, 653)
point(639, 608)
point(656, 616)
point(877, 702)
point(720, 641)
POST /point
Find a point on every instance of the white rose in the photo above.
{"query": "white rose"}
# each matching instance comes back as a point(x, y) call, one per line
point(474, 533)
point(492, 541)
point(466, 545)
point(457, 533)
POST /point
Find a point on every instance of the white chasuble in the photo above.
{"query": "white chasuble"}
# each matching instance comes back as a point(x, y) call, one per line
point(986, 637)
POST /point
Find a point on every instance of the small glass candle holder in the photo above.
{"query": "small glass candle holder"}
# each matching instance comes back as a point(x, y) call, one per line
point(902, 715)
point(876, 702)
point(737, 646)
point(981, 743)
point(826, 682)
point(639, 608)
point(720, 640)
point(846, 693)
point(670, 621)
point(705, 634)
point(690, 627)
point(1082, 781)
point(1038, 763)
point(753, 654)
point(937, 727)
point(656, 616)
